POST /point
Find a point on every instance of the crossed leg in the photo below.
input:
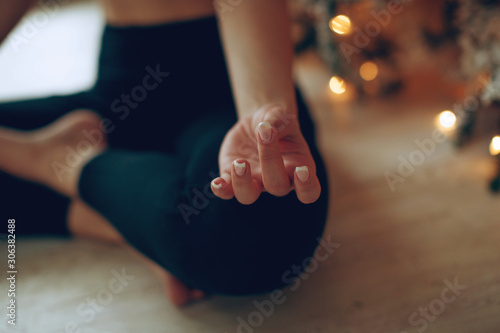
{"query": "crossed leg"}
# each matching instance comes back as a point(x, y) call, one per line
point(33, 155)
point(83, 221)
point(154, 200)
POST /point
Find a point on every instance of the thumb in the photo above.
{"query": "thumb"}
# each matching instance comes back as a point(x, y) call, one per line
point(278, 116)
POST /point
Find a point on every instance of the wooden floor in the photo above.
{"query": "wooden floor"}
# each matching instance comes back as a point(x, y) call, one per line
point(398, 251)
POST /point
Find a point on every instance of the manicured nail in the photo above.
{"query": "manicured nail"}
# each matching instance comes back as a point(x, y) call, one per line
point(265, 132)
point(216, 185)
point(302, 173)
point(240, 168)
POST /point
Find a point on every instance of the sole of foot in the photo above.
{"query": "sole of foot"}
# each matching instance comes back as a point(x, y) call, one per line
point(53, 155)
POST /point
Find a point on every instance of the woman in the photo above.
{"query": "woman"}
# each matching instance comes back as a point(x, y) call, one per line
point(215, 177)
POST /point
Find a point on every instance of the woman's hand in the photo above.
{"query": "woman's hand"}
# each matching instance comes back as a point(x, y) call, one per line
point(266, 152)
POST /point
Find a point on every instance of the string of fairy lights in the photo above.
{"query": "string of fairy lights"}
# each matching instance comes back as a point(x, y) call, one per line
point(447, 121)
point(368, 71)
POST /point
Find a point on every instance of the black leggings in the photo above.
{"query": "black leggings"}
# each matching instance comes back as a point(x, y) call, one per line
point(166, 104)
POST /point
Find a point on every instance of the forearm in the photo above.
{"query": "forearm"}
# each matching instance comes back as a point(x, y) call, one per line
point(11, 11)
point(258, 49)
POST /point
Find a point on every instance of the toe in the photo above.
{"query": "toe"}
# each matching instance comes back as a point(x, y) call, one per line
point(177, 292)
point(197, 294)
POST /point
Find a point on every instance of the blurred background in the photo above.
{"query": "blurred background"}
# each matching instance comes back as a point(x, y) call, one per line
point(405, 96)
point(381, 49)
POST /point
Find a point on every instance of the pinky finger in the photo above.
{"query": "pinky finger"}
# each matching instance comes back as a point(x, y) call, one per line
point(222, 188)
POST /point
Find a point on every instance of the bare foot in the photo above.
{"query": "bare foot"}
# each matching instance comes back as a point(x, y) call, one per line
point(53, 155)
point(83, 221)
point(177, 292)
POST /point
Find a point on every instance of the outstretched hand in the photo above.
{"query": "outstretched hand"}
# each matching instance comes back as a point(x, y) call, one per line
point(266, 152)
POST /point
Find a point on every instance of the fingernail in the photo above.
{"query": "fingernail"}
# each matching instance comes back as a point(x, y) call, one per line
point(302, 173)
point(265, 132)
point(216, 185)
point(240, 168)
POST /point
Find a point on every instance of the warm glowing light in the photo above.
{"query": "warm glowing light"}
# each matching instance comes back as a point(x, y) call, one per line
point(495, 146)
point(337, 85)
point(368, 71)
point(447, 120)
point(340, 24)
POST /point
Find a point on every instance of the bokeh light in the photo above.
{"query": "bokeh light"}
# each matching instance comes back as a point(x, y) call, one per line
point(340, 24)
point(447, 120)
point(337, 85)
point(495, 146)
point(368, 71)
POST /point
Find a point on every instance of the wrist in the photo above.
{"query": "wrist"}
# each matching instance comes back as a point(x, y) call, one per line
point(279, 116)
point(287, 109)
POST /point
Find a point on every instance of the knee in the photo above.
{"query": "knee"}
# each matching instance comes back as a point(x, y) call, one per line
point(197, 203)
point(229, 248)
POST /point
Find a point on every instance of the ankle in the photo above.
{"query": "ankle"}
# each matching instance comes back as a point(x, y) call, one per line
point(83, 221)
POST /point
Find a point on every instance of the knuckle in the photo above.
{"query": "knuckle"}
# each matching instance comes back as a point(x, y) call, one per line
point(268, 157)
point(269, 154)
